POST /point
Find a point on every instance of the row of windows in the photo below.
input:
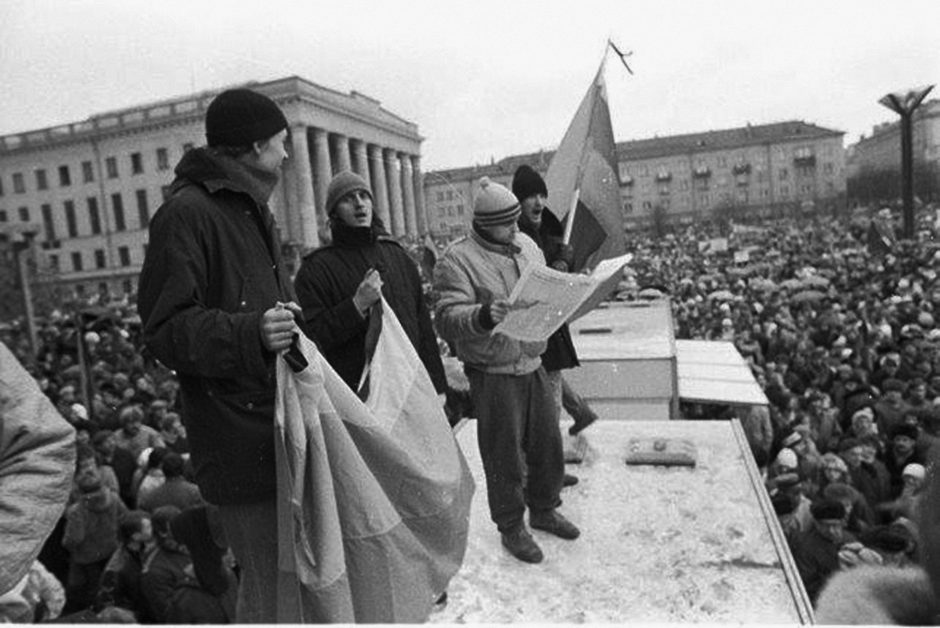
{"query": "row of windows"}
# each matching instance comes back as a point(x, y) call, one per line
point(93, 212)
point(782, 173)
point(112, 171)
point(98, 256)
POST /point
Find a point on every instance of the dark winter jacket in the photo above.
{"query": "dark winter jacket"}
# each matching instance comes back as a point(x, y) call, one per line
point(327, 281)
point(560, 352)
point(212, 268)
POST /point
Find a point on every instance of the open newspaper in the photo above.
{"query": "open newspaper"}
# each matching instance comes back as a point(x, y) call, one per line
point(544, 299)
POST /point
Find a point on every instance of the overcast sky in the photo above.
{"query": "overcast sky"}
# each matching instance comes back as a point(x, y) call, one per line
point(481, 79)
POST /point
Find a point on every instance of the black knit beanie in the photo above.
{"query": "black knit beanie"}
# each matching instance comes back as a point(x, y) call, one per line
point(240, 117)
point(527, 182)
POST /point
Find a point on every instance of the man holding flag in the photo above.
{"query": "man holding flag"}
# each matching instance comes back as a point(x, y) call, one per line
point(547, 232)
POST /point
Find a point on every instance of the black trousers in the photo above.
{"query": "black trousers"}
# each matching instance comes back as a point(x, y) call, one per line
point(520, 444)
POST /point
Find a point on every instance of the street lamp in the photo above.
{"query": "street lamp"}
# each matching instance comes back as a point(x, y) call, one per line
point(904, 104)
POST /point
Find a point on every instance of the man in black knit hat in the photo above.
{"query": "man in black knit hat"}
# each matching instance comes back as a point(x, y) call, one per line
point(541, 225)
point(217, 307)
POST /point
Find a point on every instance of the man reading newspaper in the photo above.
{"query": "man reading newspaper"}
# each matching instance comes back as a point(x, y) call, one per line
point(517, 420)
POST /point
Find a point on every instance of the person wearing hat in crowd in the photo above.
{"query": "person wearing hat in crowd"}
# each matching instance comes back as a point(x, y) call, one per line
point(540, 224)
point(891, 408)
point(900, 452)
point(217, 306)
point(134, 436)
point(338, 284)
point(517, 419)
point(907, 503)
point(816, 551)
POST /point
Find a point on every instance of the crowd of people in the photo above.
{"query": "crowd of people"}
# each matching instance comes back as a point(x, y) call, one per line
point(176, 522)
point(839, 326)
point(852, 373)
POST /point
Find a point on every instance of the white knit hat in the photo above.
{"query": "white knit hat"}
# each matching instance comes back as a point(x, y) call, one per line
point(787, 459)
point(914, 470)
point(494, 205)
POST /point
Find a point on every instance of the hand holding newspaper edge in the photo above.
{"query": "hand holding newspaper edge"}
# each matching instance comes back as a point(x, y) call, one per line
point(544, 299)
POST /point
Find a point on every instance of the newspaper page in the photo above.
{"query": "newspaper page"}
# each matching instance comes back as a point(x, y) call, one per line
point(544, 299)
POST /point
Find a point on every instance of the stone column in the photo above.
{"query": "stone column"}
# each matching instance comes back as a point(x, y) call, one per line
point(408, 194)
point(305, 207)
point(342, 153)
point(323, 171)
point(418, 183)
point(361, 161)
point(379, 187)
point(393, 175)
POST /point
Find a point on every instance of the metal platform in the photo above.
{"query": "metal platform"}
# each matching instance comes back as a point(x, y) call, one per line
point(658, 545)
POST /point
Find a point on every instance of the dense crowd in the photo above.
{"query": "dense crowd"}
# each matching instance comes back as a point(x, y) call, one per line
point(843, 338)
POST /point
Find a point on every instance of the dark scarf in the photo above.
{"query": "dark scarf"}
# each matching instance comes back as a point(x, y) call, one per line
point(217, 170)
point(345, 236)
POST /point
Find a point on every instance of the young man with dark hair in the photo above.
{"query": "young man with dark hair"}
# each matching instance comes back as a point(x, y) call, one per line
point(217, 307)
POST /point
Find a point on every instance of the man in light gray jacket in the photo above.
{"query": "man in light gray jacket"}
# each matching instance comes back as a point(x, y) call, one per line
point(517, 420)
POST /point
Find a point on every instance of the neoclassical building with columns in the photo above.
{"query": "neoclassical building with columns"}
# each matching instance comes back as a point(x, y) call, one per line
point(87, 189)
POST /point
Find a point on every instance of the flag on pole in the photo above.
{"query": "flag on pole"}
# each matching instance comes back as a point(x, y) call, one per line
point(583, 177)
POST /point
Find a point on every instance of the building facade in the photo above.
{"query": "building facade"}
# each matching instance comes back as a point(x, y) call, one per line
point(88, 189)
point(882, 149)
point(755, 170)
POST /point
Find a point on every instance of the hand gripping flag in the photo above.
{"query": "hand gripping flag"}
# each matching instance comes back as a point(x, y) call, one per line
point(583, 175)
point(373, 497)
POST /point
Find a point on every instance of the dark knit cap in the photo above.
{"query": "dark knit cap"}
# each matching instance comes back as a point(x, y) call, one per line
point(240, 117)
point(527, 182)
point(341, 185)
point(827, 510)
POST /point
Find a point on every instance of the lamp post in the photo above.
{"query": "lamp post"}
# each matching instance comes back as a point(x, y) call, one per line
point(904, 104)
point(22, 249)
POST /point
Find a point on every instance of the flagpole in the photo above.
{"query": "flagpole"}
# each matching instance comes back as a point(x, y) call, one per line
point(568, 225)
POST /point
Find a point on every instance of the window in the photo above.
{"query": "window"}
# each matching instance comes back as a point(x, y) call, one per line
point(70, 219)
point(88, 172)
point(110, 164)
point(76, 260)
point(54, 262)
point(628, 208)
point(163, 159)
point(117, 203)
point(165, 192)
point(137, 163)
point(784, 190)
point(827, 167)
point(99, 258)
point(783, 174)
point(440, 196)
point(3, 215)
point(41, 182)
point(143, 212)
point(124, 254)
point(1, 187)
point(128, 285)
point(18, 185)
point(65, 178)
point(24, 214)
point(94, 218)
point(47, 224)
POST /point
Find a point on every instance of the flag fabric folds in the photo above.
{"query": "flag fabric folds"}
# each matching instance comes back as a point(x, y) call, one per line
point(586, 161)
point(373, 497)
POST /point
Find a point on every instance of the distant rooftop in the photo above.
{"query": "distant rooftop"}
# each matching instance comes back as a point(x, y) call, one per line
point(665, 146)
point(193, 105)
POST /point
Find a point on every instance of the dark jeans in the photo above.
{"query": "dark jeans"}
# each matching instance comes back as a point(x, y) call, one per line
point(520, 444)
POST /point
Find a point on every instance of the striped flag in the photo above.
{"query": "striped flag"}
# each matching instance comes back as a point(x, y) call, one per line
point(583, 174)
